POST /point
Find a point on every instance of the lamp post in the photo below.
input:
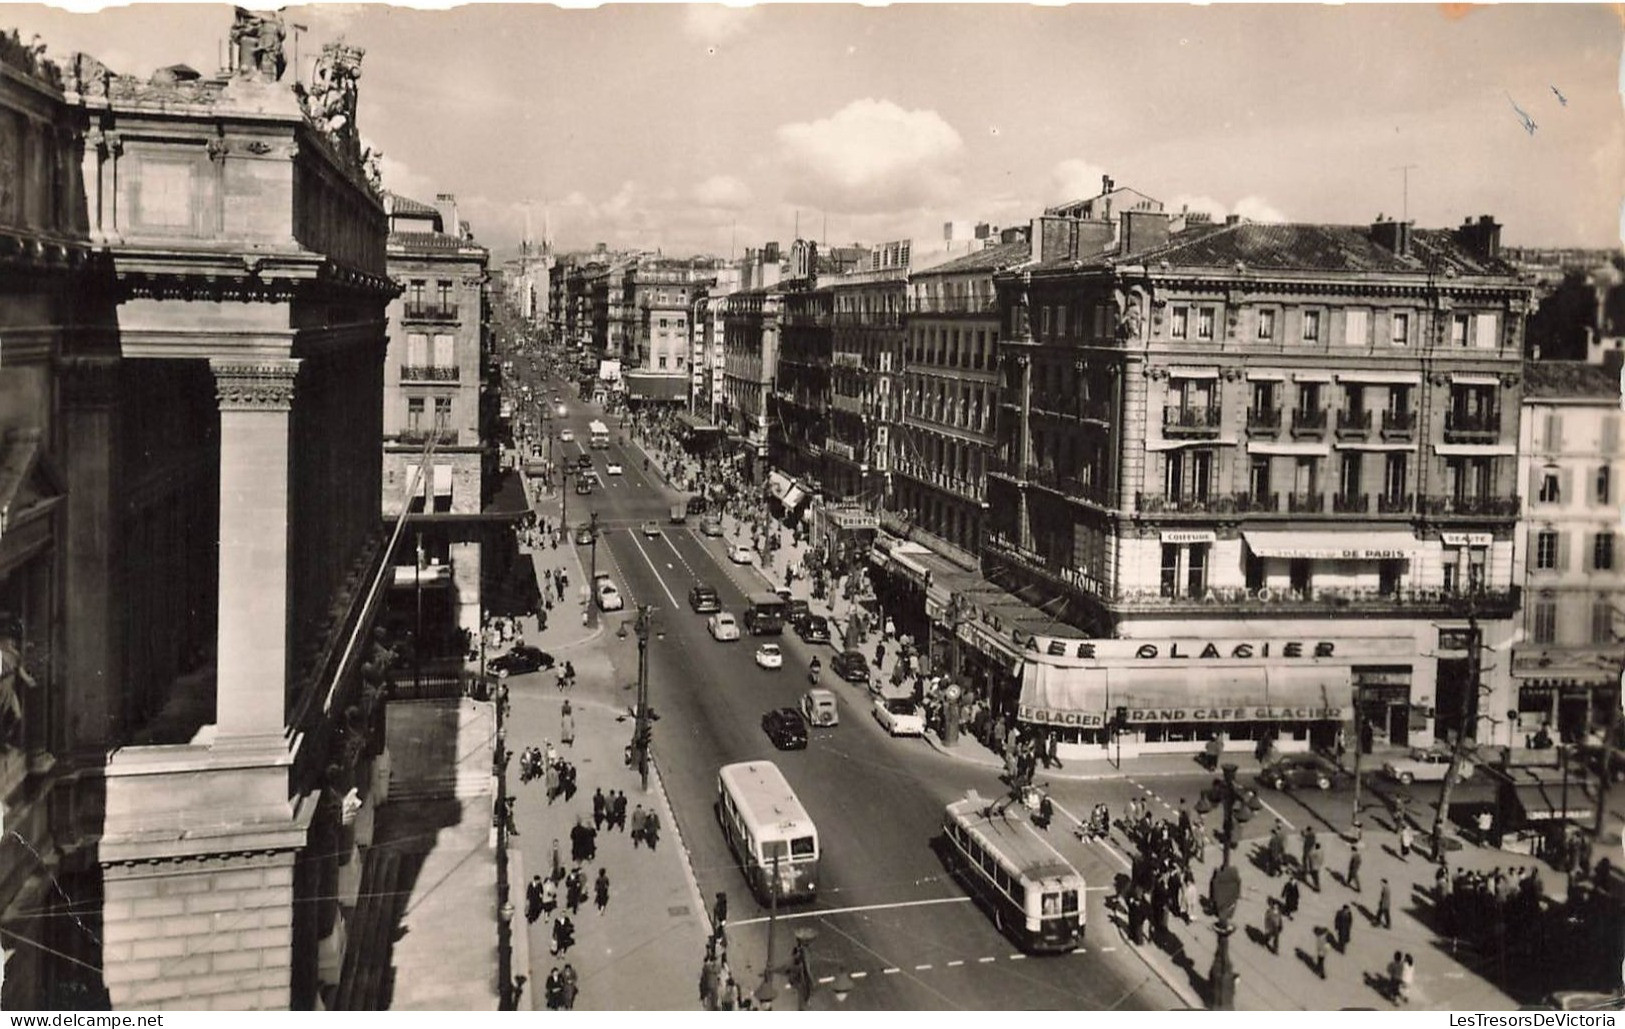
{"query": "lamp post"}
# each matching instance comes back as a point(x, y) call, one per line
point(642, 625)
point(592, 584)
point(1224, 890)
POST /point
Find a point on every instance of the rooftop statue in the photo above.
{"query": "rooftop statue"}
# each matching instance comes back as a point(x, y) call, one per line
point(256, 41)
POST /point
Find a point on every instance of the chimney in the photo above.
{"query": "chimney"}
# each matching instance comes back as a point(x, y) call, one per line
point(446, 204)
point(1143, 230)
point(1482, 238)
point(1106, 184)
point(1232, 219)
point(1391, 235)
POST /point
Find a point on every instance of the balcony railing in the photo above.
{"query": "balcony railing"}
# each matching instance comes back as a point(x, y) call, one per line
point(1470, 506)
point(431, 312)
point(1182, 503)
point(419, 435)
point(1395, 503)
point(1096, 410)
point(1306, 503)
point(1264, 419)
point(951, 305)
point(430, 373)
point(1353, 423)
point(1472, 427)
point(1351, 503)
point(1191, 421)
point(1399, 423)
point(1308, 423)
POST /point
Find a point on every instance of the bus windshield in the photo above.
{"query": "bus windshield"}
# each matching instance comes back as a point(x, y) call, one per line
point(1064, 902)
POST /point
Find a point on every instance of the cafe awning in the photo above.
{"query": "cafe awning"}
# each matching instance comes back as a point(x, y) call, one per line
point(1336, 546)
point(1543, 802)
point(1087, 697)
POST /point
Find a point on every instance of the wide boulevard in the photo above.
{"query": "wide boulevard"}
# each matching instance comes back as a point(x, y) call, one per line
point(886, 911)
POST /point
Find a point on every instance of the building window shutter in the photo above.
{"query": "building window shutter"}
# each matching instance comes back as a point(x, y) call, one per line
point(1562, 552)
point(1534, 485)
point(1565, 483)
point(1588, 554)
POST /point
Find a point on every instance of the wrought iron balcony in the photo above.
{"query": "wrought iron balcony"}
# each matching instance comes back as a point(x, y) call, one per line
point(1309, 423)
point(1096, 410)
point(1469, 506)
point(1472, 427)
point(1306, 503)
point(441, 435)
point(1351, 503)
point(1353, 423)
point(1191, 421)
point(431, 312)
point(430, 373)
point(1395, 503)
point(1264, 419)
point(1399, 424)
point(1181, 503)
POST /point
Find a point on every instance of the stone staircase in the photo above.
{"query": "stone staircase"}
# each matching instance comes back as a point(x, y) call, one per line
point(368, 977)
point(440, 749)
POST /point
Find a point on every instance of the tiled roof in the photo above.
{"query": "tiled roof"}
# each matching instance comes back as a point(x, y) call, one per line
point(408, 206)
point(1002, 255)
point(1345, 249)
point(430, 241)
point(1569, 380)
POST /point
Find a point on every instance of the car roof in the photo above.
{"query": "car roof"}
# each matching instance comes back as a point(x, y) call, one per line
point(769, 646)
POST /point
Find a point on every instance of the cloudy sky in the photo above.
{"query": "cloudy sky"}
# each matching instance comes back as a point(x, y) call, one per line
point(700, 128)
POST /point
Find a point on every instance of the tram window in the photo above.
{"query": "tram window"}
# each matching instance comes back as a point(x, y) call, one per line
point(987, 862)
point(1052, 905)
point(801, 846)
point(1069, 902)
point(1002, 878)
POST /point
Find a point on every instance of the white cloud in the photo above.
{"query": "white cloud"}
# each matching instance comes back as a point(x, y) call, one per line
point(724, 192)
point(869, 156)
point(714, 23)
point(1257, 209)
point(1076, 179)
point(403, 181)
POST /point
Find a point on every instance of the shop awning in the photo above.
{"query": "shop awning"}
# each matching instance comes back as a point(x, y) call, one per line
point(1337, 546)
point(778, 484)
point(1543, 802)
point(654, 386)
point(1086, 697)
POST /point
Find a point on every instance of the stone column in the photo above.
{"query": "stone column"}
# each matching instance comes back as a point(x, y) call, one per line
point(255, 399)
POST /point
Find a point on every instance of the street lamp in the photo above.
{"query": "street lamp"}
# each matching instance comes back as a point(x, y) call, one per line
point(1224, 890)
point(641, 732)
point(592, 584)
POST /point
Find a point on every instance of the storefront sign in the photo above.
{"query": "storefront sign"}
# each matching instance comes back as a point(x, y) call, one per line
point(1239, 713)
point(1467, 539)
point(835, 446)
point(1175, 650)
point(998, 541)
point(1341, 553)
point(1189, 536)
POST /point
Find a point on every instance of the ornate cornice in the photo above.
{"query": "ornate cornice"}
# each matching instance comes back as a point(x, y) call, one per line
point(254, 385)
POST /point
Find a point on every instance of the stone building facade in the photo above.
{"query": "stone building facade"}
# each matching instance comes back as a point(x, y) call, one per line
point(200, 359)
point(1237, 440)
point(750, 349)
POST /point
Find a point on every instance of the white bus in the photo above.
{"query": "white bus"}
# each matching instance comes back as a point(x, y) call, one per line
point(599, 433)
point(1032, 893)
point(764, 821)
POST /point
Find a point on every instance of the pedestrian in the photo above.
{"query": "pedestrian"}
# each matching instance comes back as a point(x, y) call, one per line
point(1355, 860)
point(1277, 848)
point(1193, 898)
point(556, 872)
point(564, 934)
point(553, 990)
point(1343, 923)
point(567, 726)
point(637, 826)
point(1308, 846)
point(1385, 906)
point(600, 891)
point(619, 809)
point(1407, 840)
point(1407, 978)
point(651, 828)
point(1317, 858)
point(551, 773)
point(1320, 951)
point(1272, 926)
point(1289, 898)
point(550, 896)
point(719, 914)
point(600, 808)
point(533, 899)
point(568, 987)
point(575, 889)
point(1395, 970)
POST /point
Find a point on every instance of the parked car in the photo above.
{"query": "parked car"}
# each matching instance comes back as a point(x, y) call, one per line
point(711, 525)
point(521, 659)
point(768, 655)
point(820, 708)
point(678, 515)
point(613, 468)
point(704, 599)
point(899, 716)
point(813, 628)
point(1425, 764)
point(1300, 770)
point(651, 528)
point(786, 728)
point(583, 535)
point(609, 597)
point(741, 554)
point(852, 666)
point(723, 627)
point(567, 436)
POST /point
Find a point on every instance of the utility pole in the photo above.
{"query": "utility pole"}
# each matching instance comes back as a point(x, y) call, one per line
point(640, 731)
point(1405, 188)
point(767, 991)
point(1475, 657)
point(592, 585)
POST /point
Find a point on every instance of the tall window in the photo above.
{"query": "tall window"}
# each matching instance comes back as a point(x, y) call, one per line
point(1170, 569)
point(442, 412)
point(1355, 323)
point(442, 289)
point(1309, 396)
point(1458, 330)
point(1258, 478)
point(415, 295)
point(1605, 485)
point(414, 413)
point(1602, 623)
point(1399, 399)
point(417, 349)
point(1545, 627)
point(1354, 400)
point(1400, 329)
point(1196, 570)
point(1263, 396)
point(1311, 326)
point(1306, 476)
point(1348, 479)
point(1546, 550)
point(1204, 323)
point(1266, 324)
point(1602, 552)
point(1394, 476)
point(1550, 490)
point(1179, 324)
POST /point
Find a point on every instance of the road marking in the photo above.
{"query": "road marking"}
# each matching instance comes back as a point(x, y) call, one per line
point(825, 979)
point(890, 971)
point(921, 968)
point(1284, 819)
point(864, 907)
point(859, 975)
point(955, 964)
point(985, 961)
point(667, 589)
point(1018, 957)
point(1108, 950)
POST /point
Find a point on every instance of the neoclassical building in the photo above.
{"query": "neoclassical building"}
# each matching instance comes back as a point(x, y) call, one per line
point(192, 343)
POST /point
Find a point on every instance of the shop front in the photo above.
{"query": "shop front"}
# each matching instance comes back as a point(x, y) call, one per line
point(1174, 695)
